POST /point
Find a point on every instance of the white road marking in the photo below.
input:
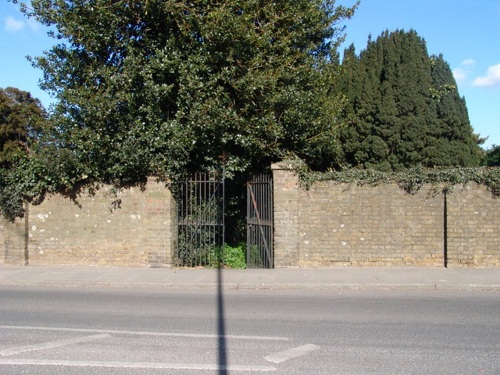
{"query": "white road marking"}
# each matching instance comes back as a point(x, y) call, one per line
point(290, 353)
point(129, 365)
point(52, 344)
point(164, 334)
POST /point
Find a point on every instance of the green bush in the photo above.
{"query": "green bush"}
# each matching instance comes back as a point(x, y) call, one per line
point(234, 257)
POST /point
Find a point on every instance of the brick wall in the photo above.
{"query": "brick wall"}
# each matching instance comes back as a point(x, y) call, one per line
point(329, 225)
point(473, 227)
point(139, 232)
point(14, 241)
point(333, 225)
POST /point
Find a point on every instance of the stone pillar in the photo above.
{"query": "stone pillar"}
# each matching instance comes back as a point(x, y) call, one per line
point(161, 224)
point(286, 216)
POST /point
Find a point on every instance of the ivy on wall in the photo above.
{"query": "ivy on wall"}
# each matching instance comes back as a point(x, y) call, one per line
point(410, 180)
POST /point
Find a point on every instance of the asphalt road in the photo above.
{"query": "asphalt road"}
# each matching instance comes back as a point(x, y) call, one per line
point(162, 331)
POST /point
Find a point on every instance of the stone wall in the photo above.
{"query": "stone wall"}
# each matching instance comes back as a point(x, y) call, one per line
point(332, 225)
point(134, 227)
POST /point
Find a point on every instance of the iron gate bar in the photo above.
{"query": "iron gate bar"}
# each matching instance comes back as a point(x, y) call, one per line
point(259, 222)
point(210, 199)
point(200, 220)
point(260, 225)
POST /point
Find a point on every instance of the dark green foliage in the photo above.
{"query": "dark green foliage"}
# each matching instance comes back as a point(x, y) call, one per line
point(22, 120)
point(403, 108)
point(158, 87)
point(492, 157)
point(164, 88)
point(23, 176)
point(32, 163)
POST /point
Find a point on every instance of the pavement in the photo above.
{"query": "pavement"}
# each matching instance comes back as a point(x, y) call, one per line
point(396, 278)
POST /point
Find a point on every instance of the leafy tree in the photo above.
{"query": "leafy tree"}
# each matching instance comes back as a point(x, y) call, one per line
point(23, 124)
point(404, 109)
point(31, 161)
point(155, 87)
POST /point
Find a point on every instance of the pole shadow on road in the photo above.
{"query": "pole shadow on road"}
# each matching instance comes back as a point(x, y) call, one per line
point(221, 325)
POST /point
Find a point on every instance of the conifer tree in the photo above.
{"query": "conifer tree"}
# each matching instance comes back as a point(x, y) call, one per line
point(403, 108)
point(492, 157)
point(22, 119)
point(452, 141)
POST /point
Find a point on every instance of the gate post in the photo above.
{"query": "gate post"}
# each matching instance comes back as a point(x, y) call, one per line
point(286, 215)
point(160, 225)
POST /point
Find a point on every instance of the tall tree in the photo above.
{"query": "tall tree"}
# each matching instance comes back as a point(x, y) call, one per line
point(404, 109)
point(451, 141)
point(23, 123)
point(22, 120)
point(155, 87)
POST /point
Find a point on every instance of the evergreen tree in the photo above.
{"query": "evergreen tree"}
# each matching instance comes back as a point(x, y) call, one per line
point(492, 157)
point(403, 108)
point(22, 120)
point(23, 123)
point(452, 141)
point(155, 87)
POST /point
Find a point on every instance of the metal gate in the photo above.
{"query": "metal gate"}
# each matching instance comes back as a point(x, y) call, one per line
point(260, 222)
point(200, 221)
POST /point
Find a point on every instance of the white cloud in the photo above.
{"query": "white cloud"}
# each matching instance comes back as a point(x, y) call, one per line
point(13, 25)
point(466, 67)
point(459, 74)
point(469, 62)
point(491, 79)
point(34, 25)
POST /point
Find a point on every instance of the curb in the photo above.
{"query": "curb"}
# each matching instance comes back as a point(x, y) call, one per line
point(261, 287)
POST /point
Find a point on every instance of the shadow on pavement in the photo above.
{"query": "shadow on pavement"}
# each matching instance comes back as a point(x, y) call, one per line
point(221, 326)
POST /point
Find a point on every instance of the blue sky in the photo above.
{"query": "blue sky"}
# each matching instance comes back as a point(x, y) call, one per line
point(465, 32)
